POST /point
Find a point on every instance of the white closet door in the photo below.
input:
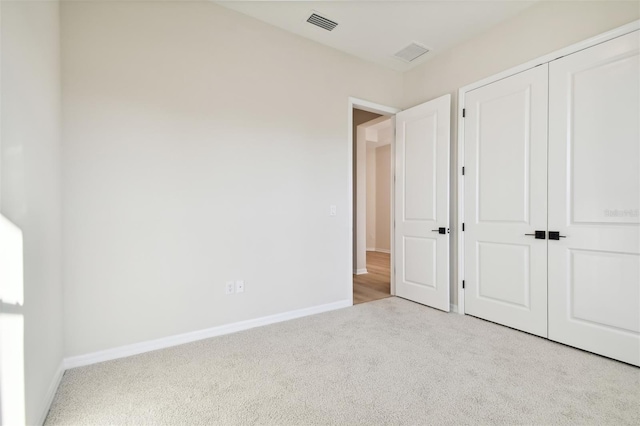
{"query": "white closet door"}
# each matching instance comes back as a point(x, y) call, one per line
point(505, 200)
point(594, 199)
point(422, 203)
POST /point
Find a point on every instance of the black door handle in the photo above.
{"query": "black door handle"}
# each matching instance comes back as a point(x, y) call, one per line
point(540, 235)
point(440, 230)
point(555, 235)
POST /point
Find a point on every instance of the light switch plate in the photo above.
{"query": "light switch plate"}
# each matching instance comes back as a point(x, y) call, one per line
point(240, 286)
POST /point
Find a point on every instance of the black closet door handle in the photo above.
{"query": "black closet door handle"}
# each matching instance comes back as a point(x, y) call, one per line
point(440, 230)
point(555, 235)
point(540, 235)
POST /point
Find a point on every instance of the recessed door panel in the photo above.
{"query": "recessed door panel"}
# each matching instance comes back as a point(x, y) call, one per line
point(420, 167)
point(510, 285)
point(422, 203)
point(594, 199)
point(503, 139)
point(604, 289)
point(605, 178)
point(505, 134)
point(420, 262)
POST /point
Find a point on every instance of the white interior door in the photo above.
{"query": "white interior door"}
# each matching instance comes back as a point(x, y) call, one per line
point(505, 159)
point(594, 199)
point(422, 203)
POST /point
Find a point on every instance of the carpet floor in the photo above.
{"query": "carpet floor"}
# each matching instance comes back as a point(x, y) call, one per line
point(386, 362)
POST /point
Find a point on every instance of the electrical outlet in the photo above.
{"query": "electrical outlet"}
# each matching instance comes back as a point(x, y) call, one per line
point(240, 286)
point(230, 288)
point(333, 210)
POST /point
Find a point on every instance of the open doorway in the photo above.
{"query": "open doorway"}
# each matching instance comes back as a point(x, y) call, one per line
point(419, 220)
point(373, 135)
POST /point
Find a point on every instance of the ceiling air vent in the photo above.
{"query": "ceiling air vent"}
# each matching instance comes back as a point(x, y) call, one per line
point(322, 22)
point(411, 52)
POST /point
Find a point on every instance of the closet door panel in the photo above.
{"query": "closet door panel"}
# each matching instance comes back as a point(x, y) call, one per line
point(594, 199)
point(506, 199)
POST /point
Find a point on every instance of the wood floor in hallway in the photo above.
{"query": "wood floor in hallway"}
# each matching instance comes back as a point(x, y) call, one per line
point(376, 284)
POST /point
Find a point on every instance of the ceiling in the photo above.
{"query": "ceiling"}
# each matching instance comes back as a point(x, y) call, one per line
point(376, 30)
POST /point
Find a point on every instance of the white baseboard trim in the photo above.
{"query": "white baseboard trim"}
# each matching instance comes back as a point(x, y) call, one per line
point(179, 339)
point(360, 271)
point(379, 250)
point(51, 392)
point(454, 308)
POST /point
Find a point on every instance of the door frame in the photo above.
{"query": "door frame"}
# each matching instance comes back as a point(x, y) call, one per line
point(382, 110)
point(585, 44)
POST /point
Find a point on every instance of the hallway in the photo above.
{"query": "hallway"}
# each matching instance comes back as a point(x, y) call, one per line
point(377, 283)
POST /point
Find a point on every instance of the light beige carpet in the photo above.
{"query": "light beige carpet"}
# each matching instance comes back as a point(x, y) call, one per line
point(384, 362)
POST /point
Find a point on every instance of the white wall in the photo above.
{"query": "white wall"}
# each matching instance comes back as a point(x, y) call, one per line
point(200, 146)
point(378, 196)
point(30, 182)
point(371, 197)
point(383, 197)
point(541, 29)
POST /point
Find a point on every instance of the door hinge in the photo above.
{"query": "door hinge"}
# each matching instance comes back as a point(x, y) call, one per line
point(464, 112)
point(463, 284)
point(462, 170)
point(462, 226)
